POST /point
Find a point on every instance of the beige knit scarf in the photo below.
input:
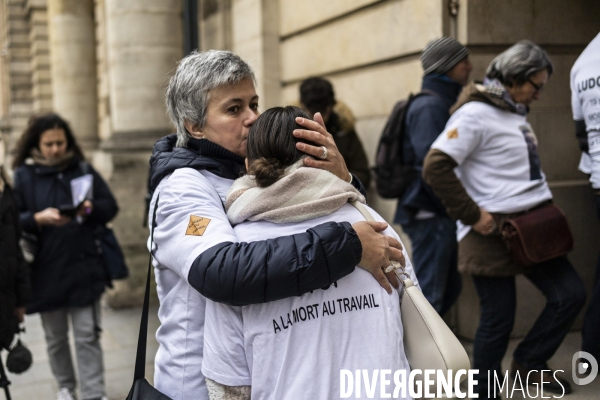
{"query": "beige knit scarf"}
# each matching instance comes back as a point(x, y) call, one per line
point(302, 193)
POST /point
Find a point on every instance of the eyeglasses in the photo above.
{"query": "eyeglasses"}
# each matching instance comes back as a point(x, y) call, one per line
point(538, 88)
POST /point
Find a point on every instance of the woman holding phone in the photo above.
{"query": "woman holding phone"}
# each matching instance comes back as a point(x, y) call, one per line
point(68, 275)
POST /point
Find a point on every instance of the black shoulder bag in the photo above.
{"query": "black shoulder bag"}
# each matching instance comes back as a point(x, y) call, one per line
point(141, 389)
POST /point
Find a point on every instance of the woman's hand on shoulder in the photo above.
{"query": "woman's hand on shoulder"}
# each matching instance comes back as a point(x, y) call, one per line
point(316, 133)
point(378, 251)
point(486, 224)
point(50, 217)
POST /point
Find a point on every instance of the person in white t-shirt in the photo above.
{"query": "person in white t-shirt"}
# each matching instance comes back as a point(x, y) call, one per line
point(295, 348)
point(485, 168)
point(585, 101)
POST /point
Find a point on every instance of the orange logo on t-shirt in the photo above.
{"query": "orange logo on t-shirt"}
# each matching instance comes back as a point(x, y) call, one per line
point(197, 225)
point(452, 133)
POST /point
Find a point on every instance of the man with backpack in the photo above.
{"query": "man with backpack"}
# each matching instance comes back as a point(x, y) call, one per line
point(446, 70)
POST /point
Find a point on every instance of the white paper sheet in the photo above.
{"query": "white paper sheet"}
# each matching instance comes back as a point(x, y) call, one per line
point(81, 189)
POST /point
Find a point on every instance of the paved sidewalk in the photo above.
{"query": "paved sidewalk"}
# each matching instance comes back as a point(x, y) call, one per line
point(119, 341)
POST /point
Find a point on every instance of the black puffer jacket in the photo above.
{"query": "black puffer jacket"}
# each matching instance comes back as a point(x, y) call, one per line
point(248, 273)
point(15, 289)
point(68, 269)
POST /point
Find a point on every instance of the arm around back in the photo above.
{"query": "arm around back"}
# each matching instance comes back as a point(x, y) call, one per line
point(242, 273)
point(257, 272)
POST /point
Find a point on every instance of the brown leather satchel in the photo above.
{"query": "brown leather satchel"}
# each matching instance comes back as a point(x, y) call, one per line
point(538, 235)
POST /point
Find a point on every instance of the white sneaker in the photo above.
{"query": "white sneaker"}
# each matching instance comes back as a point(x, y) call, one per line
point(64, 394)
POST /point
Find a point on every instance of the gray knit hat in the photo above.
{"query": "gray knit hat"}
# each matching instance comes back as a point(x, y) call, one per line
point(440, 55)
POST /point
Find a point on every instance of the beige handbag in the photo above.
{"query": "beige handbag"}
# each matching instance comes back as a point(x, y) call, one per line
point(428, 342)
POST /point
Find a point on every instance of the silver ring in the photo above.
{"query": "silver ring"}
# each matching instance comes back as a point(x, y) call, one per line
point(324, 155)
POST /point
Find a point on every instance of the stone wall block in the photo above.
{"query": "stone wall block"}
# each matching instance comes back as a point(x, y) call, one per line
point(20, 108)
point(16, 10)
point(144, 7)
point(20, 67)
point(21, 53)
point(245, 21)
point(20, 80)
point(42, 90)
point(40, 47)
point(297, 15)
point(555, 131)
point(371, 91)
point(38, 32)
point(38, 16)
point(42, 104)
point(21, 97)
point(136, 109)
point(541, 21)
point(155, 31)
point(402, 28)
point(40, 75)
point(19, 40)
point(40, 62)
point(17, 26)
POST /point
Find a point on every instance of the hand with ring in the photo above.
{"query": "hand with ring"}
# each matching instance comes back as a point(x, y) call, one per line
point(324, 152)
point(324, 155)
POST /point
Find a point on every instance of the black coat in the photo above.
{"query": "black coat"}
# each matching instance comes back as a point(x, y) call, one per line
point(15, 290)
point(68, 268)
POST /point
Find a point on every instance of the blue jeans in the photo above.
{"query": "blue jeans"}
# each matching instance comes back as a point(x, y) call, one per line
point(591, 324)
point(434, 258)
point(565, 296)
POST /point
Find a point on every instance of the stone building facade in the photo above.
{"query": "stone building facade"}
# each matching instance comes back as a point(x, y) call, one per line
point(103, 64)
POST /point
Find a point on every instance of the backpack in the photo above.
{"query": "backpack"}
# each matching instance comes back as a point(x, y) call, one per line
point(392, 174)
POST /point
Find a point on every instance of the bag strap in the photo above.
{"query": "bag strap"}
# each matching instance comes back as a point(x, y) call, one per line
point(397, 266)
point(140, 357)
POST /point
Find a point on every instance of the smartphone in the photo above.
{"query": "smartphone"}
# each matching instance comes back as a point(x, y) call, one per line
point(67, 210)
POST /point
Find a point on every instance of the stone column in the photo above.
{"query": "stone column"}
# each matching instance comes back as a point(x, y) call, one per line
point(144, 43)
point(73, 66)
point(255, 38)
point(139, 45)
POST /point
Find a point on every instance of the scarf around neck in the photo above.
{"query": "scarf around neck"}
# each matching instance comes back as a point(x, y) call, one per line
point(302, 193)
point(58, 163)
point(492, 92)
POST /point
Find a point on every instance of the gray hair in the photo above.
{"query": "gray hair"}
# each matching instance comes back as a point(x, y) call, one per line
point(515, 65)
point(197, 74)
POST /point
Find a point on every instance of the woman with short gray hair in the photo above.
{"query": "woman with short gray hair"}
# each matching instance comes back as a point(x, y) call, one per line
point(517, 64)
point(494, 152)
point(212, 101)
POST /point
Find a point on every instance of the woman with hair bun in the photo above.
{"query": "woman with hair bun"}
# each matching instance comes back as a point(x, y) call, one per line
point(212, 101)
point(295, 348)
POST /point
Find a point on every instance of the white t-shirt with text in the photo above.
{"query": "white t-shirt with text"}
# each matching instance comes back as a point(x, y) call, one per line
point(498, 163)
point(585, 102)
point(295, 348)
